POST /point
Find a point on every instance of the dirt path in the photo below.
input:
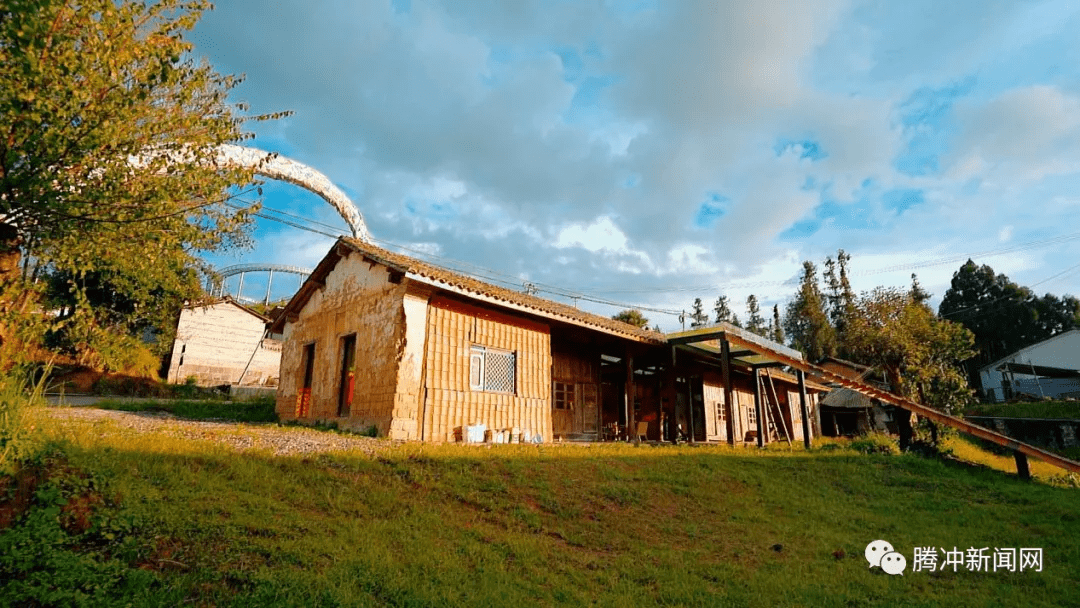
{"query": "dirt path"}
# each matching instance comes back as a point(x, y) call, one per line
point(240, 436)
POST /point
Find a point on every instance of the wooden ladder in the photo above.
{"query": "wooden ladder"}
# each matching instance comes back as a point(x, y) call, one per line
point(772, 411)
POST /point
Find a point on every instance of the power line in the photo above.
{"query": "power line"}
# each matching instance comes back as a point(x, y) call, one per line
point(576, 295)
point(480, 272)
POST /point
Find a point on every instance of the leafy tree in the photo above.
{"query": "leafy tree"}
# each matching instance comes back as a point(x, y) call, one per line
point(805, 320)
point(698, 318)
point(106, 164)
point(632, 316)
point(755, 322)
point(1003, 316)
point(776, 328)
point(918, 352)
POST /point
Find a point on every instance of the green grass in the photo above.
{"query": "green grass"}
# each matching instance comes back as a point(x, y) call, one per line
point(554, 525)
point(1040, 409)
point(255, 410)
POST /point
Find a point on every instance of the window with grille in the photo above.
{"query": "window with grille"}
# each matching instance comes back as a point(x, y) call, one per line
point(564, 396)
point(492, 370)
point(751, 416)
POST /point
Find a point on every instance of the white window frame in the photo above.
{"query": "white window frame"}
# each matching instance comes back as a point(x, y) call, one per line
point(478, 368)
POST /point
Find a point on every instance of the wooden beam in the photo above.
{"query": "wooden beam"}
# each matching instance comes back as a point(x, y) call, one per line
point(729, 394)
point(758, 410)
point(765, 365)
point(702, 337)
point(804, 409)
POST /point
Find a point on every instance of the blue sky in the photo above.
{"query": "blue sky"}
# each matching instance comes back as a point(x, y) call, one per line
point(648, 153)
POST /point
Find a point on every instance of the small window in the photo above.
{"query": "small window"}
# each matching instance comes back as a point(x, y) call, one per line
point(751, 416)
point(721, 413)
point(492, 370)
point(564, 396)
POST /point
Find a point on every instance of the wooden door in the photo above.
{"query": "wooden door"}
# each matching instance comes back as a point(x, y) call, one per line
point(562, 408)
point(715, 413)
point(588, 412)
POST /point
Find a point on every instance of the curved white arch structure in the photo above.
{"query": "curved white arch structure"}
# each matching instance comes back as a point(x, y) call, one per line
point(275, 166)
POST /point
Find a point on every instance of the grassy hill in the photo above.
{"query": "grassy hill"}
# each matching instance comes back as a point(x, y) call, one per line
point(113, 518)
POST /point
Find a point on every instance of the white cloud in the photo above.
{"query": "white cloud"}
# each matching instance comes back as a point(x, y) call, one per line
point(468, 112)
point(1025, 133)
point(600, 235)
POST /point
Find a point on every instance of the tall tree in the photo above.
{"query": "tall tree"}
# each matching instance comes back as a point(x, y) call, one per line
point(839, 296)
point(698, 318)
point(632, 316)
point(917, 293)
point(106, 164)
point(723, 311)
point(776, 333)
point(755, 322)
point(805, 320)
point(1002, 315)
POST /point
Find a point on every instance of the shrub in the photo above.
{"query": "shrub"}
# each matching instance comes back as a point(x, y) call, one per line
point(875, 443)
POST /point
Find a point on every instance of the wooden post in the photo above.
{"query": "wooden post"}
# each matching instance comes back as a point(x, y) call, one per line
point(631, 418)
point(659, 409)
point(1022, 469)
point(729, 394)
point(689, 409)
point(672, 396)
point(803, 404)
point(758, 410)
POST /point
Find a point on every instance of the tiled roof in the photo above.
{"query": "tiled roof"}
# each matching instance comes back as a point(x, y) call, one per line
point(469, 286)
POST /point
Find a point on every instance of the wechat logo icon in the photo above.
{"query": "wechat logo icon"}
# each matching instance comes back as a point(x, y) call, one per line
point(880, 553)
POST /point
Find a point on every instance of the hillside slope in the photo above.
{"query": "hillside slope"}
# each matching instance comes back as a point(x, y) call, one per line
point(555, 525)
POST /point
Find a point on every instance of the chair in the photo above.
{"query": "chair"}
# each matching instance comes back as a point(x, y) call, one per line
point(643, 431)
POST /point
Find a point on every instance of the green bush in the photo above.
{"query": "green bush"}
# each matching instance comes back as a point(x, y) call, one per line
point(875, 443)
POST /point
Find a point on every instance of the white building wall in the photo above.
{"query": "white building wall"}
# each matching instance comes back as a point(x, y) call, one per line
point(214, 344)
point(1061, 351)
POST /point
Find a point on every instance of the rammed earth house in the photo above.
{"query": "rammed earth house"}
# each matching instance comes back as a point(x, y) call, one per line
point(378, 338)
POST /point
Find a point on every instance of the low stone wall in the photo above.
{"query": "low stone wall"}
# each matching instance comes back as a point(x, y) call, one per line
point(1050, 433)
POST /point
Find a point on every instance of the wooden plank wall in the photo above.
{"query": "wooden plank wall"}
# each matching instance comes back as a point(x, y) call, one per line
point(449, 404)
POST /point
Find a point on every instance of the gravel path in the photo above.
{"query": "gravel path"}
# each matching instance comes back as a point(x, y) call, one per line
point(237, 435)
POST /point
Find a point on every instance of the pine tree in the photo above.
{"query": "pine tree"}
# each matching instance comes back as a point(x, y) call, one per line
point(755, 323)
point(805, 320)
point(698, 318)
point(777, 328)
point(723, 312)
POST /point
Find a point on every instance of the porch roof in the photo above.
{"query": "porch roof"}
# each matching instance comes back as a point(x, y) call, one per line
point(758, 349)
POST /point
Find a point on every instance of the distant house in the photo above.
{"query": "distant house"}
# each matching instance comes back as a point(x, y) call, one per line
point(224, 342)
point(1050, 368)
point(376, 338)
